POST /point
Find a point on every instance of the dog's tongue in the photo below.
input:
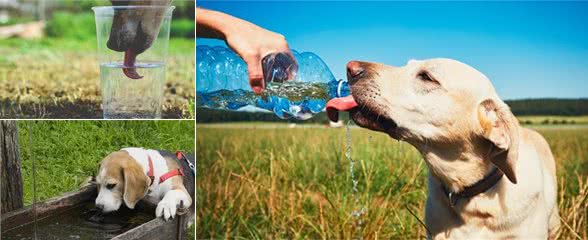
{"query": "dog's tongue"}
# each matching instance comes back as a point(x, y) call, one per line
point(129, 65)
point(335, 105)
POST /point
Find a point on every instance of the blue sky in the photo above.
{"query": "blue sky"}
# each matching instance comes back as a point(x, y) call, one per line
point(527, 49)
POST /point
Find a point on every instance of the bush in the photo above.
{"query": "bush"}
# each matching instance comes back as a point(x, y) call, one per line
point(17, 20)
point(183, 28)
point(67, 25)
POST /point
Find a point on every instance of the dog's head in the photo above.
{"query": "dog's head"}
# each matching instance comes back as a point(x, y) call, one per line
point(120, 178)
point(432, 104)
point(136, 29)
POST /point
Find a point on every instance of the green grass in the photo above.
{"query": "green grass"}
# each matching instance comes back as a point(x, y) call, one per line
point(39, 79)
point(67, 153)
point(278, 183)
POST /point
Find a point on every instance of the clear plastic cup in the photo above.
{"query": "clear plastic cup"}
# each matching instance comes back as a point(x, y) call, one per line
point(132, 52)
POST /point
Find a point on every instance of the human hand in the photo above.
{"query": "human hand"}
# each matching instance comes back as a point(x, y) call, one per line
point(251, 42)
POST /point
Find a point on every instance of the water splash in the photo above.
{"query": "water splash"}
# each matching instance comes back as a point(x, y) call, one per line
point(357, 214)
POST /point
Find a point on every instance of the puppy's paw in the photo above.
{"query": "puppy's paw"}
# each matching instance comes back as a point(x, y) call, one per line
point(166, 209)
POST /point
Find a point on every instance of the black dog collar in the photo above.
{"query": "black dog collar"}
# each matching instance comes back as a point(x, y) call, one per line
point(479, 187)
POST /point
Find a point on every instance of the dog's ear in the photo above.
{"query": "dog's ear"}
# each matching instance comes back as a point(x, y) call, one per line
point(136, 184)
point(500, 128)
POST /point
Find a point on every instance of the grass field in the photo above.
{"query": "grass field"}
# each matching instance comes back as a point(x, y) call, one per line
point(68, 152)
point(59, 78)
point(280, 183)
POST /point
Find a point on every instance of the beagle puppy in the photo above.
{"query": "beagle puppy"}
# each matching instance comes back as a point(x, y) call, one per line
point(131, 174)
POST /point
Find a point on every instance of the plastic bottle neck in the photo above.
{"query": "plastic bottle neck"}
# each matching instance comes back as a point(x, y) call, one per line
point(340, 87)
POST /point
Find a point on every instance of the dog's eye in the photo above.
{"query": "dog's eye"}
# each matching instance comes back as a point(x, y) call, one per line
point(425, 76)
point(110, 186)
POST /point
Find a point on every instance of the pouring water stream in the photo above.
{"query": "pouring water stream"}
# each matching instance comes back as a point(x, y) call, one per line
point(357, 214)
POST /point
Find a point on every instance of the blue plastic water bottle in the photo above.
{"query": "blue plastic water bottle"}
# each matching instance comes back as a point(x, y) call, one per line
point(222, 83)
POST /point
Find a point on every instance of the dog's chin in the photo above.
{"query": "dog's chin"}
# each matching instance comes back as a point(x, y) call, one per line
point(374, 121)
point(111, 209)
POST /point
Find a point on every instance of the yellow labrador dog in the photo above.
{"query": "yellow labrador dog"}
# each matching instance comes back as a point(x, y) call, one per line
point(489, 178)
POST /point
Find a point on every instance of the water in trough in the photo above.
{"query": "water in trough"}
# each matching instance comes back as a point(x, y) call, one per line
point(81, 222)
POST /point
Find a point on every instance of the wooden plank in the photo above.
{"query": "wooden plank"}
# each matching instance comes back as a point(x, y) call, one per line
point(52, 206)
point(11, 187)
point(155, 229)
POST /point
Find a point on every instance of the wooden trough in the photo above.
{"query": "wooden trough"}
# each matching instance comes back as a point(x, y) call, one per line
point(153, 229)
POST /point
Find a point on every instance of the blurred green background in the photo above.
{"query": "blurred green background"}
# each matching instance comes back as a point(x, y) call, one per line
point(74, 19)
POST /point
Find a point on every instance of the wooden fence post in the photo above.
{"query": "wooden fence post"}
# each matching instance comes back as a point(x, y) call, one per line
point(11, 185)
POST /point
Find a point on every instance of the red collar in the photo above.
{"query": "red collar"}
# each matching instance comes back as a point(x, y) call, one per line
point(165, 176)
point(175, 172)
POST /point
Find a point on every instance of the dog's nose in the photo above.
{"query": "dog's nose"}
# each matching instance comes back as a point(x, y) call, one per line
point(355, 70)
point(100, 206)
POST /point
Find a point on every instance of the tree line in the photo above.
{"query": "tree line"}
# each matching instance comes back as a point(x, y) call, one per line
point(549, 106)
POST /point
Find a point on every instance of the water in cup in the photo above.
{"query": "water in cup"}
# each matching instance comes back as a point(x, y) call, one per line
point(125, 98)
point(130, 95)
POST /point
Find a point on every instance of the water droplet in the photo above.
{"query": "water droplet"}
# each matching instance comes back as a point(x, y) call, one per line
point(356, 213)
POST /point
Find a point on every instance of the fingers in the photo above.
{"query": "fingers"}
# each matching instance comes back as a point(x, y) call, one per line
point(283, 47)
point(255, 73)
point(255, 44)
